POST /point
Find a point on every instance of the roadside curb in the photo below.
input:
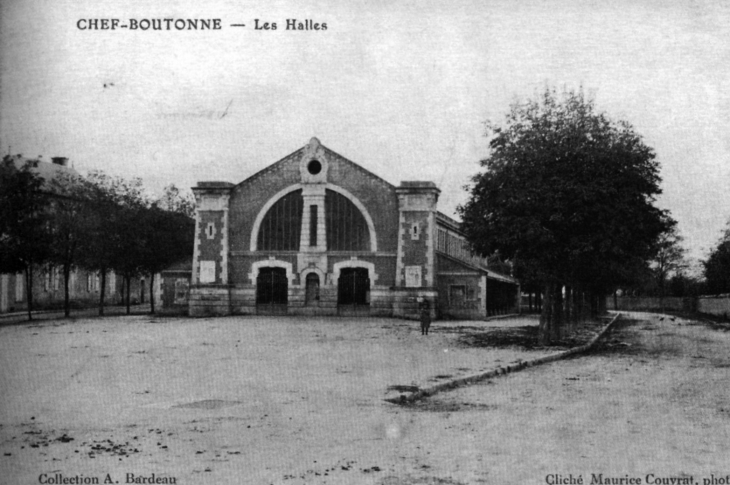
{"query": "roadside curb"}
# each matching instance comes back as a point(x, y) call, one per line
point(500, 317)
point(463, 381)
point(25, 314)
point(21, 318)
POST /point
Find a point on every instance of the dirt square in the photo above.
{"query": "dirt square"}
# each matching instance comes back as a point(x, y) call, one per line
point(302, 400)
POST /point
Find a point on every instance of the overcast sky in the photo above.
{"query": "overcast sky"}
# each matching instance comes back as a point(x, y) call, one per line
point(401, 88)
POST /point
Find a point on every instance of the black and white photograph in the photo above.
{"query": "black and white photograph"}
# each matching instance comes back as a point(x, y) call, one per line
point(365, 242)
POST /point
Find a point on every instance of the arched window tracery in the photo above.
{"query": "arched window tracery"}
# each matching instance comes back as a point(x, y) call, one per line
point(347, 229)
point(281, 227)
point(345, 225)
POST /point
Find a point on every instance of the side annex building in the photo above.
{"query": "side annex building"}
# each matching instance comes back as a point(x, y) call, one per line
point(316, 234)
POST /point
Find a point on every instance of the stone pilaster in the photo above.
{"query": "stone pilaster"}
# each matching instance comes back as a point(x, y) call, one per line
point(313, 195)
point(209, 293)
point(314, 169)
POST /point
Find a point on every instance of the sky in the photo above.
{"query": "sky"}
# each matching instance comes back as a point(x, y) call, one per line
point(401, 88)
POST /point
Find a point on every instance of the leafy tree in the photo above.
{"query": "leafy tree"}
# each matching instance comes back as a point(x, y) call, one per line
point(682, 285)
point(717, 266)
point(69, 224)
point(131, 234)
point(100, 223)
point(175, 201)
point(529, 283)
point(569, 193)
point(25, 240)
point(128, 252)
point(669, 258)
point(104, 207)
point(167, 235)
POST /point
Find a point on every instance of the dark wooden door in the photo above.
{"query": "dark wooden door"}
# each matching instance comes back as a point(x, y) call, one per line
point(352, 290)
point(272, 288)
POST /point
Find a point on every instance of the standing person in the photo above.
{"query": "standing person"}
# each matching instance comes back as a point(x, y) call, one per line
point(425, 308)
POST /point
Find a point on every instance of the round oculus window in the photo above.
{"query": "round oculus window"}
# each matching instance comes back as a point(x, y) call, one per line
point(314, 167)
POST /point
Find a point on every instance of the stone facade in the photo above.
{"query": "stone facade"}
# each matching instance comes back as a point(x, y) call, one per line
point(316, 234)
point(84, 289)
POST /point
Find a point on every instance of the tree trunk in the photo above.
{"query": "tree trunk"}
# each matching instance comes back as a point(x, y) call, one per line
point(558, 313)
point(529, 300)
point(152, 293)
point(128, 280)
point(580, 303)
point(29, 289)
point(594, 304)
point(545, 330)
point(615, 300)
point(576, 306)
point(568, 308)
point(102, 293)
point(66, 293)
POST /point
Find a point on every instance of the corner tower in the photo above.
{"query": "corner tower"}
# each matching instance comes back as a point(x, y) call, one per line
point(416, 261)
point(209, 293)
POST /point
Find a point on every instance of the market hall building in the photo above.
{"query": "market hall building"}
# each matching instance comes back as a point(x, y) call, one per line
point(316, 234)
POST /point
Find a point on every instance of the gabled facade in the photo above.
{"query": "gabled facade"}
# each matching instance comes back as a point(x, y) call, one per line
point(317, 234)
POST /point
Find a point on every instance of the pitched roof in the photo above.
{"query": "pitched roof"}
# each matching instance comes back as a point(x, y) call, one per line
point(48, 171)
point(449, 222)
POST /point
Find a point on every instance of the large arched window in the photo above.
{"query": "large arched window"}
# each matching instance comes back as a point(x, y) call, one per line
point(281, 227)
point(346, 226)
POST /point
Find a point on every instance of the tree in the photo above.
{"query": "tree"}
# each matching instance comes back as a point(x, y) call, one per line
point(570, 193)
point(98, 250)
point(128, 251)
point(717, 265)
point(25, 240)
point(173, 200)
point(69, 225)
point(682, 285)
point(167, 234)
point(669, 258)
point(717, 269)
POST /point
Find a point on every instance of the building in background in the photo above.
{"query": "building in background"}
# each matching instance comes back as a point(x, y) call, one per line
point(48, 291)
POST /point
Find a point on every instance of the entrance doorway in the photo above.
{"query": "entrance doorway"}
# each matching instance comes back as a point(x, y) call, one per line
point(272, 288)
point(353, 292)
point(311, 297)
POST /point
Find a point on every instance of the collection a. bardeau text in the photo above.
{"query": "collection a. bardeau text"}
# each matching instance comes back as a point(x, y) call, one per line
point(145, 24)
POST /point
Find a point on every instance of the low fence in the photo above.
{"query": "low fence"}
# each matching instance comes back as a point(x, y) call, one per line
point(714, 305)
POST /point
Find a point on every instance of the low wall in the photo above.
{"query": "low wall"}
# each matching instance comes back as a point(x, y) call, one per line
point(209, 300)
point(714, 305)
point(648, 304)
